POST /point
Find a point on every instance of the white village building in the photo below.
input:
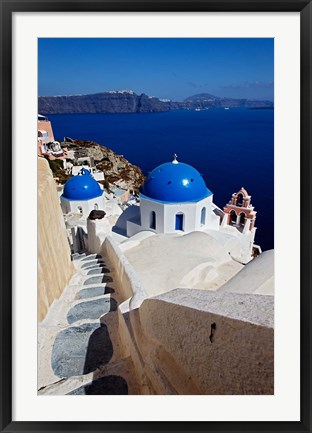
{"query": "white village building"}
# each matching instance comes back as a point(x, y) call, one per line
point(82, 194)
point(175, 199)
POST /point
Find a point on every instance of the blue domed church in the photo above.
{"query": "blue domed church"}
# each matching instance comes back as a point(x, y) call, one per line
point(174, 198)
point(82, 194)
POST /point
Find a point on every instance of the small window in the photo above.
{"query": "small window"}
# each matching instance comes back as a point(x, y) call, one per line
point(96, 206)
point(153, 220)
point(80, 210)
point(203, 216)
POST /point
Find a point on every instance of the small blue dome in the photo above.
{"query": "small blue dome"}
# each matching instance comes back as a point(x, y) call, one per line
point(175, 182)
point(82, 187)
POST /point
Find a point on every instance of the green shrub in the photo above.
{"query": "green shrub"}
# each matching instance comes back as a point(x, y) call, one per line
point(106, 184)
point(55, 165)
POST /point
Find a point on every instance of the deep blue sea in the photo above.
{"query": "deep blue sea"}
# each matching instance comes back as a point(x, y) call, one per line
point(231, 148)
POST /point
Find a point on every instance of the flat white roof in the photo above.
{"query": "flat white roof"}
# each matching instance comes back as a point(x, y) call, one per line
point(166, 261)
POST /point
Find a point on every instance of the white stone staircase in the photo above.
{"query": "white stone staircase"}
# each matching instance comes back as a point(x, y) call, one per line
point(80, 351)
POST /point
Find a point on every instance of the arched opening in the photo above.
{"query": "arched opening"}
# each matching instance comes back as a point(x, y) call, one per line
point(239, 200)
point(203, 216)
point(153, 220)
point(96, 206)
point(43, 134)
point(179, 221)
point(242, 219)
point(80, 210)
point(233, 217)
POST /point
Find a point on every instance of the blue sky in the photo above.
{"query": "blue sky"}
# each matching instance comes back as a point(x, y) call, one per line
point(166, 68)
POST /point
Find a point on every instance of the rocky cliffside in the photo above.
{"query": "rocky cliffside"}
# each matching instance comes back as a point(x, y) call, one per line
point(114, 166)
point(107, 102)
point(130, 102)
point(54, 263)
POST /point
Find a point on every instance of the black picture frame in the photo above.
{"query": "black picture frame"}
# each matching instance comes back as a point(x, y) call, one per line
point(8, 7)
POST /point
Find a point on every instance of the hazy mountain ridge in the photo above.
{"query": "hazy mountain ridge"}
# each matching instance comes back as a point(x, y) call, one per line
point(205, 100)
point(130, 102)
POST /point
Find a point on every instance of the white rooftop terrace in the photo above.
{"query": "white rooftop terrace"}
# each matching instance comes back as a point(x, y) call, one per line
point(164, 262)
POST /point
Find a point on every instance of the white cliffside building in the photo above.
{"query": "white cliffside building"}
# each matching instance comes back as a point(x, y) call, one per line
point(174, 198)
point(82, 194)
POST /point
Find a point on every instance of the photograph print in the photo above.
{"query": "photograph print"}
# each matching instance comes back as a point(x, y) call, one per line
point(155, 216)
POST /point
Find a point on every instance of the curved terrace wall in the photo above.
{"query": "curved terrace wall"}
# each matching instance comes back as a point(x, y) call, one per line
point(183, 354)
point(189, 341)
point(126, 277)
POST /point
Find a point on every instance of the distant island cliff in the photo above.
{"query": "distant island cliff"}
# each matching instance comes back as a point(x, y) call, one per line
point(130, 102)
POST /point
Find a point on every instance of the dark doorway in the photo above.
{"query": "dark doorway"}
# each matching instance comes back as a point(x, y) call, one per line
point(179, 221)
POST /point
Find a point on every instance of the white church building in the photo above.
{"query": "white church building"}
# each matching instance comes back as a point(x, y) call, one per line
point(175, 199)
point(82, 194)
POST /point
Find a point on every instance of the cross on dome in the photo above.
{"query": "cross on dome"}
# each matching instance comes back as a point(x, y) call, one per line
point(84, 172)
point(175, 161)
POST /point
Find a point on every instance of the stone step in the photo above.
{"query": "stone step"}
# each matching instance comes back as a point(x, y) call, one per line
point(98, 279)
point(105, 385)
point(77, 256)
point(98, 271)
point(92, 267)
point(92, 257)
point(81, 350)
point(92, 263)
point(91, 309)
point(93, 292)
